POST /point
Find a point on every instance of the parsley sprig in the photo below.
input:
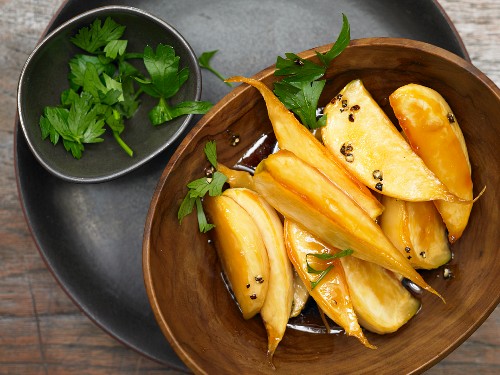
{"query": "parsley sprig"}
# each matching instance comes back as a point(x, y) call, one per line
point(301, 86)
point(166, 80)
point(205, 62)
point(105, 89)
point(326, 257)
point(211, 184)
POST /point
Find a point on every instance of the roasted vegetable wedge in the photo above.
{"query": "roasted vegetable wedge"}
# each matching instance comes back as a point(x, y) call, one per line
point(361, 136)
point(293, 136)
point(235, 178)
point(417, 230)
point(434, 134)
point(332, 292)
point(242, 253)
point(300, 295)
point(278, 303)
point(302, 194)
point(382, 303)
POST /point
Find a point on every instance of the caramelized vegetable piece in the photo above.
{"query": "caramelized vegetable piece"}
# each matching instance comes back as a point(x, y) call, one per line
point(278, 304)
point(382, 303)
point(302, 194)
point(364, 140)
point(434, 134)
point(417, 231)
point(300, 295)
point(293, 136)
point(235, 178)
point(242, 253)
point(331, 293)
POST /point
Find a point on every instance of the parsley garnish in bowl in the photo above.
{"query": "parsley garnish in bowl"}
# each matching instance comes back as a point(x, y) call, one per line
point(105, 89)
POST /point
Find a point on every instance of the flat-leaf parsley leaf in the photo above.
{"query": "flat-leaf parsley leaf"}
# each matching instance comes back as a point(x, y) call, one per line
point(205, 62)
point(105, 82)
point(211, 184)
point(301, 87)
point(326, 257)
point(165, 81)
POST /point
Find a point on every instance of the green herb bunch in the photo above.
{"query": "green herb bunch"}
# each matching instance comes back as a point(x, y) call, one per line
point(105, 89)
point(301, 86)
point(197, 189)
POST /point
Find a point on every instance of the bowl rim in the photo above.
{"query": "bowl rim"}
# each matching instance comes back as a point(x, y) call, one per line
point(241, 90)
point(96, 12)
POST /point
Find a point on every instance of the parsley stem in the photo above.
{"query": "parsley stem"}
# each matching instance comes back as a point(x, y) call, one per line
point(123, 145)
point(218, 75)
point(131, 55)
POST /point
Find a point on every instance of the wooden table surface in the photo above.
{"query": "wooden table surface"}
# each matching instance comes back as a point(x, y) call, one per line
point(42, 331)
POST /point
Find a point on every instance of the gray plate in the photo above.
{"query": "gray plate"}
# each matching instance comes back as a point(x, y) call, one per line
point(91, 235)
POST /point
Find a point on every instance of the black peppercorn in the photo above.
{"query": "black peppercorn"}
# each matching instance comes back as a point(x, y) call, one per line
point(259, 279)
point(377, 175)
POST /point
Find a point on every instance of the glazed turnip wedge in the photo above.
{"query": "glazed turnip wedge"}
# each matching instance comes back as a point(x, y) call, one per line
point(293, 136)
point(434, 134)
point(361, 137)
point(330, 289)
point(302, 194)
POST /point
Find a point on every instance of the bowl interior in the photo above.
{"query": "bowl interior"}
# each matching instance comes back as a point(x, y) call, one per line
point(45, 76)
point(183, 275)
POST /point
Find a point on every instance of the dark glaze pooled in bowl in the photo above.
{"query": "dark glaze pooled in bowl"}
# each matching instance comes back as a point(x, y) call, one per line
point(183, 275)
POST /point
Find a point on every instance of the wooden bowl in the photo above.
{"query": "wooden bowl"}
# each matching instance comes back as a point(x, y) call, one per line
point(183, 275)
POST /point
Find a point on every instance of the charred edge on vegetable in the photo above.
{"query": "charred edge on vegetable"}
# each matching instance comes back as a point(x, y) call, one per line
point(379, 186)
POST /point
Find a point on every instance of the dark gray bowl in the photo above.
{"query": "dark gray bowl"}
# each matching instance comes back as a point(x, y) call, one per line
point(44, 77)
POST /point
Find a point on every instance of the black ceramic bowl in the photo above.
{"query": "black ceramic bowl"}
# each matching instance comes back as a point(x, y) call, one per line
point(45, 76)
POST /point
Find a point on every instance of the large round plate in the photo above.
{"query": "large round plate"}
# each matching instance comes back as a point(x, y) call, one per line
point(91, 235)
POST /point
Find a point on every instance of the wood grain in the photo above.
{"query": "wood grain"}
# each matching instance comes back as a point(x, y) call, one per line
point(41, 330)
